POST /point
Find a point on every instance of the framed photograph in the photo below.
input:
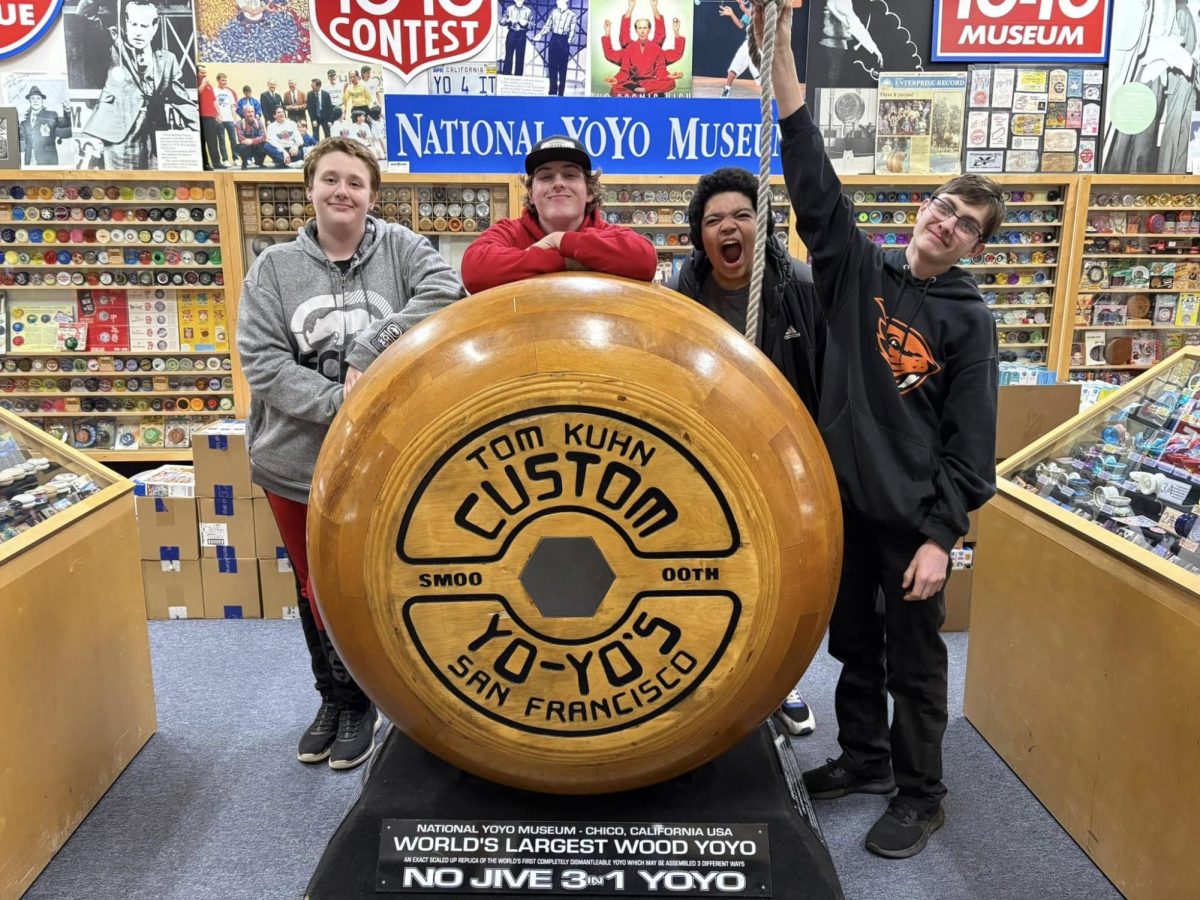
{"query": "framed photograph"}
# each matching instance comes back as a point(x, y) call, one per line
point(10, 141)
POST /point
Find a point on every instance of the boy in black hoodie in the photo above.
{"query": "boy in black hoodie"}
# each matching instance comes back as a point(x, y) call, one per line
point(908, 413)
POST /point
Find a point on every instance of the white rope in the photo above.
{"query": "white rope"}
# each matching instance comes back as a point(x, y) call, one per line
point(766, 131)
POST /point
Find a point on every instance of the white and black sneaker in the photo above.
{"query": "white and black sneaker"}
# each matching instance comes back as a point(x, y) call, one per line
point(796, 716)
point(355, 737)
point(315, 743)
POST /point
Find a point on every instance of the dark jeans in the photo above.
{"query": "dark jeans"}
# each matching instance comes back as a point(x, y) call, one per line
point(558, 54)
point(514, 53)
point(210, 144)
point(333, 681)
point(251, 153)
point(230, 130)
point(888, 645)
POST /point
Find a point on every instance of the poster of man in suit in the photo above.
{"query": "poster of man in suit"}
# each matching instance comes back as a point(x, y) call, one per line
point(43, 118)
point(1153, 76)
point(132, 76)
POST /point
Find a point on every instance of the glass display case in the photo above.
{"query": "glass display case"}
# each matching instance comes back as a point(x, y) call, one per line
point(1085, 626)
point(1131, 465)
point(74, 650)
point(40, 480)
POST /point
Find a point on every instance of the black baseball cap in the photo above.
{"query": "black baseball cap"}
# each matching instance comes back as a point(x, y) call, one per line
point(557, 148)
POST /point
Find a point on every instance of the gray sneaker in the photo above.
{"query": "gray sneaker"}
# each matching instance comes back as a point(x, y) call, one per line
point(355, 737)
point(315, 743)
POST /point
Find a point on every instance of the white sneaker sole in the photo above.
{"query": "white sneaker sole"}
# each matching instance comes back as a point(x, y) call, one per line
point(794, 728)
point(313, 757)
point(342, 764)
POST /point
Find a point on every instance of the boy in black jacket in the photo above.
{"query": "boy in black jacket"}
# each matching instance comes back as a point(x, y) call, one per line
point(908, 413)
point(723, 218)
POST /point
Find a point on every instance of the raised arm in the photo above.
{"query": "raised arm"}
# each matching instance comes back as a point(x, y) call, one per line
point(824, 216)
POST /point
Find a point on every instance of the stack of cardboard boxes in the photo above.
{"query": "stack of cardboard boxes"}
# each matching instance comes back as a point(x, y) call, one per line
point(225, 509)
point(210, 546)
point(170, 546)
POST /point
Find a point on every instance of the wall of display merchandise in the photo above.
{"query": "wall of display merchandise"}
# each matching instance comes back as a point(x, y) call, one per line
point(1138, 297)
point(118, 294)
point(114, 318)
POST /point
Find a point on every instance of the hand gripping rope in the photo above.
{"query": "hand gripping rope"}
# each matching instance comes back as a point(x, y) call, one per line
point(762, 58)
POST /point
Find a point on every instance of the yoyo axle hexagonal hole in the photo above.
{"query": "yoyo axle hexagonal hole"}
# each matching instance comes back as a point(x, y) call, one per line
point(567, 577)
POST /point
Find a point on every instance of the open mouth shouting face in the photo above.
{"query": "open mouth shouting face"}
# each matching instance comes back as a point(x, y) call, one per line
point(727, 228)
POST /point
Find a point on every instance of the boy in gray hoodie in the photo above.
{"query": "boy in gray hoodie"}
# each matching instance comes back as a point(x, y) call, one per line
point(314, 315)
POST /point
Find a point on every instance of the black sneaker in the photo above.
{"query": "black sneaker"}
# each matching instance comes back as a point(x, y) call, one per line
point(355, 737)
point(796, 716)
point(834, 780)
point(903, 830)
point(315, 743)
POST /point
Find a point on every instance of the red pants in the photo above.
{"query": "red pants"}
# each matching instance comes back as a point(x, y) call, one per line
point(292, 519)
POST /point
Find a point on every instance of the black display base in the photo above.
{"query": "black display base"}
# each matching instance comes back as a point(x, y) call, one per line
point(757, 781)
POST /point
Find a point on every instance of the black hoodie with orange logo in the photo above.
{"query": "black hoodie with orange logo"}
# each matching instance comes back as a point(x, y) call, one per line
point(908, 385)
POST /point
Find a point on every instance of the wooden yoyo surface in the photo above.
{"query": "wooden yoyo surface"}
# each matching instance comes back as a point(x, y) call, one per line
point(575, 534)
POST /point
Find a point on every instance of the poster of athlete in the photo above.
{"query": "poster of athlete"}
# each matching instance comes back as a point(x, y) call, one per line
point(721, 64)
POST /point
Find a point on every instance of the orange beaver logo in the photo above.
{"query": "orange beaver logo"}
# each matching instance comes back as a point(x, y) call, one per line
point(905, 350)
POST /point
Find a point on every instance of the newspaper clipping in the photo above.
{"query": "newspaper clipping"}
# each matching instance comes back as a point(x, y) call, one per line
point(920, 123)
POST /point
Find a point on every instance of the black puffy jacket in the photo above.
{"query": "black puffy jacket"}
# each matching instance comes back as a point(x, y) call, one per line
point(791, 325)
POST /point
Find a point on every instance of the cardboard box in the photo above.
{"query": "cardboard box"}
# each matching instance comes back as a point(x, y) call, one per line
point(267, 541)
point(958, 600)
point(230, 588)
point(173, 590)
point(1027, 412)
point(166, 481)
point(972, 527)
point(222, 461)
point(278, 585)
point(167, 528)
point(225, 525)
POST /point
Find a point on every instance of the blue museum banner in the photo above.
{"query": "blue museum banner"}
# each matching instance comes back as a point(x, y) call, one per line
point(624, 136)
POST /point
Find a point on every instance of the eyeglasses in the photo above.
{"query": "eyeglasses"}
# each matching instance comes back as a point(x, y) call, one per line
point(966, 228)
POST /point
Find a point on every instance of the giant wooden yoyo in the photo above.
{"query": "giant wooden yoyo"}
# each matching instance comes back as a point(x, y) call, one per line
point(575, 534)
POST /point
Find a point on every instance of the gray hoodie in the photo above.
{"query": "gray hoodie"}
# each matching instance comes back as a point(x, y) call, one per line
point(301, 323)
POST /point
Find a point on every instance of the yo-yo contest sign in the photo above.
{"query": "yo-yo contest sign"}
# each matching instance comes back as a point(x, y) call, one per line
point(25, 22)
point(1021, 30)
point(406, 36)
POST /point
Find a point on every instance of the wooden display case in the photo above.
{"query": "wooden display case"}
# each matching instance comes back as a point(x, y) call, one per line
point(1021, 273)
point(138, 258)
point(74, 655)
point(1084, 671)
point(1136, 274)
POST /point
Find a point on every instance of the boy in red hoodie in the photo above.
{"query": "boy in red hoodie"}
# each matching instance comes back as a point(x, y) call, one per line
point(561, 228)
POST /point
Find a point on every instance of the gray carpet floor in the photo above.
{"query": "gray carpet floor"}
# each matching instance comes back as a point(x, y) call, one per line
point(216, 805)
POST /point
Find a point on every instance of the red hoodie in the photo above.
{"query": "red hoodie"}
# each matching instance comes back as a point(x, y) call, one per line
point(501, 255)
